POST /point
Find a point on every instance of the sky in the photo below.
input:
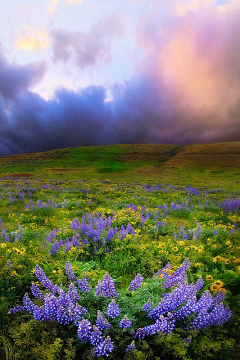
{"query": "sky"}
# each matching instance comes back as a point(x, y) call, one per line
point(98, 72)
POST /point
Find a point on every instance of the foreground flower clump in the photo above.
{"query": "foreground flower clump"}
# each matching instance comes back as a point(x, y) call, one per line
point(180, 307)
point(121, 241)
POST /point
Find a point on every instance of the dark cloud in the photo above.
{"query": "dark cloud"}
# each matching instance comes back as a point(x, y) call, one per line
point(15, 78)
point(186, 90)
point(88, 48)
point(137, 115)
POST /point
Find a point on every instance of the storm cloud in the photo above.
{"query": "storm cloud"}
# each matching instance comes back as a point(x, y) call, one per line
point(186, 88)
point(18, 78)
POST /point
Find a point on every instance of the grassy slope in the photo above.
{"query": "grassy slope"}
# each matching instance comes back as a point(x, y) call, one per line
point(211, 165)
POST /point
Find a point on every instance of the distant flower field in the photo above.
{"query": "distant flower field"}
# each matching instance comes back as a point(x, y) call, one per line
point(95, 269)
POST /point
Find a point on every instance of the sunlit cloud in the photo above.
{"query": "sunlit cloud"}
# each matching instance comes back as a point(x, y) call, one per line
point(189, 73)
point(52, 5)
point(32, 40)
point(74, 1)
point(184, 6)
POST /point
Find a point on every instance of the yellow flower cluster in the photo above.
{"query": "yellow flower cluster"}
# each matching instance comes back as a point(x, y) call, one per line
point(198, 249)
point(219, 258)
point(127, 216)
point(18, 251)
point(217, 285)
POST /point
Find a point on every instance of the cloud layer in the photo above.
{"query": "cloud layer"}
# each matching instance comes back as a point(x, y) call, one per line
point(15, 79)
point(88, 48)
point(186, 88)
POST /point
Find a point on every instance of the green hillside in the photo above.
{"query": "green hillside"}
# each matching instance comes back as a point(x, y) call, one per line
point(212, 165)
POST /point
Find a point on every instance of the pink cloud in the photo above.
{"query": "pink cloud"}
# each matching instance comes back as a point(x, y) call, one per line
point(193, 57)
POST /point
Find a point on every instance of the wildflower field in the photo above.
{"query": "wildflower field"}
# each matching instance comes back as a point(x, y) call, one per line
point(124, 269)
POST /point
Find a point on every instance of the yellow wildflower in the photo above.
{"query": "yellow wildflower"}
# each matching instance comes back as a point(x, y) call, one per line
point(209, 277)
point(218, 258)
point(181, 243)
point(218, 284)
point(222, 290)
point(197, 264)
point(213, 288)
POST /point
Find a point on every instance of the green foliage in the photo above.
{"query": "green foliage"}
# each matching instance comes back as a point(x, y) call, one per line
point(32, 340)
point(145, 251)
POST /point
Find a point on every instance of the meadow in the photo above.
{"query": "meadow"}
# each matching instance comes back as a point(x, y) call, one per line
point(125, 252)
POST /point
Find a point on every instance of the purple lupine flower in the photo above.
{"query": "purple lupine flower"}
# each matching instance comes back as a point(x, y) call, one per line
point(99, 291)
point(113, 309)
point(61, 315)
point(28, 304)
point(39, 314)
point(159, 224)
point(106, 287)
point(218, 298)
point(104, 348)
point(131, 347)
point(72, 294)
point(9, 264)
point(199, 284)
point(84, 330)
point(102, 322)
point(69, 271)
point(163, 324)
point(63, 299)
point(172, 300)
point(163, 271)
point(186, 309)
point(218, 316)
point(16, 309)
point(55, 247)
point(42, 277)
point(125, 323)
point(230, 205)
point(188, 340)
point(204, 303)
point(55, 311)
point(178, 276)
point(140, 334)
point(96, 336)
point(136, 283)
point(147, 306)
point(37, 292)
point(76, 313)
point(175, 306)
point(84, 285)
